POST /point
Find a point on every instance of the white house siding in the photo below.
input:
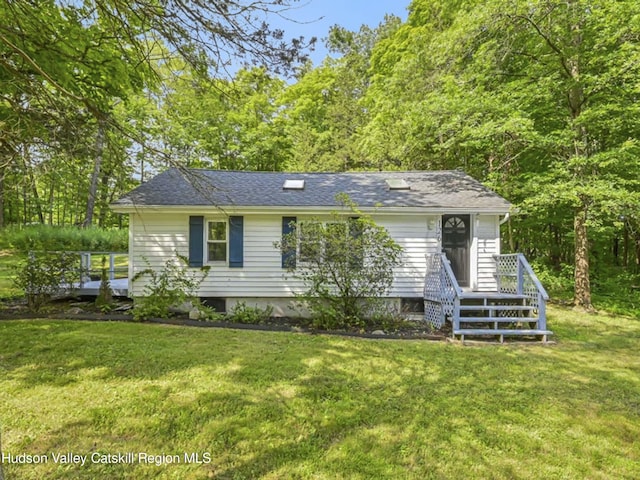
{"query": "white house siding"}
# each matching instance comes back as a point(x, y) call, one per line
point(155, 237)
point(262, 274)
point(488, 244)
point(417, 235)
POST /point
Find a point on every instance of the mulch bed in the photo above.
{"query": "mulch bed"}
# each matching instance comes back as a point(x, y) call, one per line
point(79, 310)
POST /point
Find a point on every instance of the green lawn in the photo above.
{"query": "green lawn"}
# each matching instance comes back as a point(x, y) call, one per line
point(283, 405)
point(9, 260)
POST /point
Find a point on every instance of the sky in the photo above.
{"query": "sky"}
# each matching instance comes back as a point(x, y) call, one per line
point(315, 17)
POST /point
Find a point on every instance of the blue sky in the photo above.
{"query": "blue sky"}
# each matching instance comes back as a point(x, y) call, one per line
point(317, 16)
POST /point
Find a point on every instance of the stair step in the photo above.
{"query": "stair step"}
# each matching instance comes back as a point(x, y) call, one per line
point(502, 332)
point(492, 296)
point(497, 319)
point(497, 307)
point(491, 331)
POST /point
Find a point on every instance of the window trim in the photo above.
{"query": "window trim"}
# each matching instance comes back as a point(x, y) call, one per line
point(207, 241)
point(324, 224)
point(302, 258)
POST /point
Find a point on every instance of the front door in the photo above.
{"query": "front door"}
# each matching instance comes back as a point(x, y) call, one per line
point(456, 240)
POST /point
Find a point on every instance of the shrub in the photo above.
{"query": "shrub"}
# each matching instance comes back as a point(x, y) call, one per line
point(243, 313)
point(47, 237)
point(104, 300)
point(346, 265)
point(44, 275)
point(173, 286)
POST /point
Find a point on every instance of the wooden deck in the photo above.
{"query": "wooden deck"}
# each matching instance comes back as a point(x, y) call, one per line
point(90, 266)
point(119, 288)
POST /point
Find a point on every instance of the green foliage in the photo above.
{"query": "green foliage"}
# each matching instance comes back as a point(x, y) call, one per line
point(557, 281)
point(346, 265)
point(43, 275)
point(227, 124)
point(104, 299)
point(243, 313)
point(174, 286)
point(208, 314)
point(47, 237)
point(323, 110)
point(536, 99)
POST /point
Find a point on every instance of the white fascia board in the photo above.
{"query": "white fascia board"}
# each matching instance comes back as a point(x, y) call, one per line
point(248, 210)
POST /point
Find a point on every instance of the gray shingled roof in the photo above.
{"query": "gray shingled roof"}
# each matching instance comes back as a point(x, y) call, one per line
point(436, 189)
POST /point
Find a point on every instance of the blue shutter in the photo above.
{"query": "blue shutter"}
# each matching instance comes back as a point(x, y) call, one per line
point(196, 241)
point(236, 242)
point(288, 257)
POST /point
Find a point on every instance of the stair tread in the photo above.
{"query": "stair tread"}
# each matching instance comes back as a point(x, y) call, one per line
point(491, 331)
point(497, 319)
point(492, 296)
point(497, 307)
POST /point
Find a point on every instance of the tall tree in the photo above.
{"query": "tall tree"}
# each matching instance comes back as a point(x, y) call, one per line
point(323, 109)
point(538, 96)
point(59, 58)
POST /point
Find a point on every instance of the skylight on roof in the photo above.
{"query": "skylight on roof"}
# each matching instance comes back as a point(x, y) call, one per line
point(398, 184)
point(293, 185)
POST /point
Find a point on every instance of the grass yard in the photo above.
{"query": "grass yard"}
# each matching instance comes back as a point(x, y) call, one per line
point(9, 260)
point(282, 405)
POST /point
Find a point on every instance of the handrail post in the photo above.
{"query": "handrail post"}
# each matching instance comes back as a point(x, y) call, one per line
point(520, 272)
point(85, 267)
point(542, 312)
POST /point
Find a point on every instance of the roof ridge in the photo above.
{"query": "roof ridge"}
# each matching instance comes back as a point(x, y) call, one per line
point(353, 172)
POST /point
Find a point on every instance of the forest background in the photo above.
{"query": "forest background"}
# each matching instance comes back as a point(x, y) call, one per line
point(537, 99)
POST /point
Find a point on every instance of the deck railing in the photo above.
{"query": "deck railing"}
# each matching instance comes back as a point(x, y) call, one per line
point(88, 270)
point(515, 275)
point(441, 291)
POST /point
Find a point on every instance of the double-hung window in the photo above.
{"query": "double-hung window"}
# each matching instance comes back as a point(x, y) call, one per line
point(310, 241)
point(217, 241)
point(319, 240)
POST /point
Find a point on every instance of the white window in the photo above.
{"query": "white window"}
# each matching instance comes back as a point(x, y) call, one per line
point(310, 241)
point(310, 246)
point(217, 241)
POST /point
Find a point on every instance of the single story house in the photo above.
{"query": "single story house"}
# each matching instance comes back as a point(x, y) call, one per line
point(230, 220)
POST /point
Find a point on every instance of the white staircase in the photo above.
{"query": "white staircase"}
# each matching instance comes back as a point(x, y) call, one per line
point(516, 309)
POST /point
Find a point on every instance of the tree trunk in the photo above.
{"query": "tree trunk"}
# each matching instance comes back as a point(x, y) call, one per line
point(2, 198)
point(28, 170)
point(97, 165)
point(582, 293)
point(625, 258)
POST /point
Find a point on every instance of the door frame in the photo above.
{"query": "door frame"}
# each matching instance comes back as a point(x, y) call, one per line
point(471, 279)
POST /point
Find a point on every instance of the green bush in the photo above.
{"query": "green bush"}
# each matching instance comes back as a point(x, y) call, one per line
point(44, 275)
point(558, 283)
point(104, 300)
point(172, 287)
point(243, 313)
point(68, 238)
point(346, 265)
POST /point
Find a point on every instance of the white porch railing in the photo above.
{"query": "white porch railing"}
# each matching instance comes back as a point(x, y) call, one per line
point(87, 268)
point(520, 299)
point(441, 291)
point(515, 275)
